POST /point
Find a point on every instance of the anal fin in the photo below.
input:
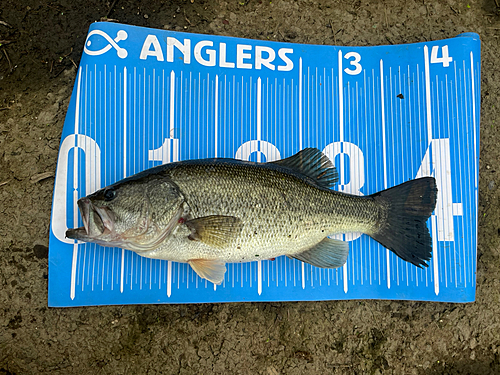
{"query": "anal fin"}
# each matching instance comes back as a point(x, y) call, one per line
point(326, 254)
point(212, 270)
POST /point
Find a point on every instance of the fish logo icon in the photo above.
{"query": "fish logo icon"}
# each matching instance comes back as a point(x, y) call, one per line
point(112, 43)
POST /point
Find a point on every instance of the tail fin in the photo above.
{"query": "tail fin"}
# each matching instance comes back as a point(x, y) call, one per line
point(407, 208)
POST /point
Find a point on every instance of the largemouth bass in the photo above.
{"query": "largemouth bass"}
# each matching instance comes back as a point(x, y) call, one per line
point(214, 211)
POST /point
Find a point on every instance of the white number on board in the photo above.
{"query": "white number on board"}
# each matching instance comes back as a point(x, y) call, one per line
point(62, 189)
point(270, 151)
point(356, 173)
point(445, 58)
point(355, 63)
point(168, 152)
point(436, 162)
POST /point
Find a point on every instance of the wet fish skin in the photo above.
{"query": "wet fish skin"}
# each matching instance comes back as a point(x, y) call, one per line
point(209, 212)
point(281, 214)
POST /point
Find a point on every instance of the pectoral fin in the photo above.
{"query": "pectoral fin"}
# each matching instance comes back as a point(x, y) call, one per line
point(216, 231)
point(326, 254)
point(212, 270)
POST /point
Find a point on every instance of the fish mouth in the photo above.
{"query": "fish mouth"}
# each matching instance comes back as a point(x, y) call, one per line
point(97, 221)
point(98, 227)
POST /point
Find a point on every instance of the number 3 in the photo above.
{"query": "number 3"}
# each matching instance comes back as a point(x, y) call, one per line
point(355, 63)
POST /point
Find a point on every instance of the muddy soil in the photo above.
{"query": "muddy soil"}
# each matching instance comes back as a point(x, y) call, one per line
point(37, 71)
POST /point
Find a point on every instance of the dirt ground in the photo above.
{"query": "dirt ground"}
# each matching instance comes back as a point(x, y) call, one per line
point(37, 72)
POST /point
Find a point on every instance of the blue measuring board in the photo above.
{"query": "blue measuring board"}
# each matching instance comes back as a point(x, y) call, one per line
point(383, 115)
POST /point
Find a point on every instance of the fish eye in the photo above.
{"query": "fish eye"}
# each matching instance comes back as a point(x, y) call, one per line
point(109, 194)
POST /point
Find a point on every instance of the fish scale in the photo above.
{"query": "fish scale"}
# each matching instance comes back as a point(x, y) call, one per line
point(283, 213)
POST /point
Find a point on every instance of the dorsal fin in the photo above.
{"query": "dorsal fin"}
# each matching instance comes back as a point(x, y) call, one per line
point(312, 163)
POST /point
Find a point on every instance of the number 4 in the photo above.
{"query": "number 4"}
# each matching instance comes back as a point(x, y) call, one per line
point(445, 58)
